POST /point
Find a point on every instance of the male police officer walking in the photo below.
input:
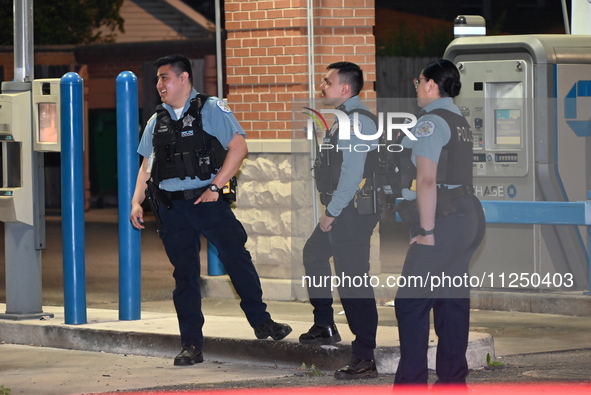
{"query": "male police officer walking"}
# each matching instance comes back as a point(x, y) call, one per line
point(342, 232)
point(192, 146)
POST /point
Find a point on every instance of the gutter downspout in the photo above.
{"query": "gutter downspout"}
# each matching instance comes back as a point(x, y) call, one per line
point(565, 17)
point(218, 49)
point(311, 98)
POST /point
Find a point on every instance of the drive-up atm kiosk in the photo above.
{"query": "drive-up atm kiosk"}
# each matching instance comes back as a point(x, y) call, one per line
point(528, 100)
point(20, 104)
point(29, 126)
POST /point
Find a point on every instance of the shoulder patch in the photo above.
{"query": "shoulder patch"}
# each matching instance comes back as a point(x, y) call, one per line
point(223, 106)
point(152, 117)
point(359, 126)
point(424, 129)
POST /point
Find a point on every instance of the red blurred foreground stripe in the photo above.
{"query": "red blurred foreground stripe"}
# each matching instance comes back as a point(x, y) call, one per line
point(480, 389)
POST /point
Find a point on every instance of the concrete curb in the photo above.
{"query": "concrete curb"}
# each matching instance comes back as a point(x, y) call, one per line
point(284, 354)
point(568, 303)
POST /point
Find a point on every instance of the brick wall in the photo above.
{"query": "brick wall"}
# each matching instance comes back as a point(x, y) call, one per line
point(267, 55)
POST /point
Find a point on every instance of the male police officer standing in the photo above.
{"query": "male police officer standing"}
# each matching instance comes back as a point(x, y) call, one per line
point(342, 232)
point(192, 146)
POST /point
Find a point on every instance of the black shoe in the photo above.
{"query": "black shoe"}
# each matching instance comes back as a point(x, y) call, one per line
point(357, 369)
point(271, 328)
point(319, 334)
point(189, 355)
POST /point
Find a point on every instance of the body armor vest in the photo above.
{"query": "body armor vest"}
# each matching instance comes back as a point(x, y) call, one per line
point(327, 168)
point(455, 162)
point(182, 148)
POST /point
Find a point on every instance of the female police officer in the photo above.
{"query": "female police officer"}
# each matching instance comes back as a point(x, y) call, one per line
point(447, 230)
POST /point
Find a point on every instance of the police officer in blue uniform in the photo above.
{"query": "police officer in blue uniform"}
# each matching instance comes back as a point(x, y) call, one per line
point(446, 226)
point(343, 232)
point(192, 147)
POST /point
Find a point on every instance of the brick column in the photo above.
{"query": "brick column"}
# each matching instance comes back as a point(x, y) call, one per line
point(267, 55)
point(267, 68)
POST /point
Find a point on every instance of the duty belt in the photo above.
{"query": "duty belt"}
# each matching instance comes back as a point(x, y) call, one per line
point(187, 194)
point(460, 191)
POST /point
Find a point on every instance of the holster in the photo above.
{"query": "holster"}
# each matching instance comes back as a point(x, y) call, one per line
point(323, 178)
point(229, 190)
point(445, 204)
point(325, 198)
point(409, 214)
point(366, 198)
point(156, 198)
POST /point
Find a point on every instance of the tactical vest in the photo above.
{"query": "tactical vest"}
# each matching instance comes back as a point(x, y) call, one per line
point(182, 148)
point(455, 161)
point(327, 168)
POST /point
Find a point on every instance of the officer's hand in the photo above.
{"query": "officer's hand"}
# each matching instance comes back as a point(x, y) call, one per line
point(208, 196)
point(137, 216)
point(425, 240)
point(325, 223)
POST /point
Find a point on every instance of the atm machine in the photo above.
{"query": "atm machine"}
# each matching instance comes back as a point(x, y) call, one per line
point(29, 126)
point(528, 100)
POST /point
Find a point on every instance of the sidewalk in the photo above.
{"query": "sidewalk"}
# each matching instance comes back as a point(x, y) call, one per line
point(228, 337)
point(558, 321)
point(114, 355)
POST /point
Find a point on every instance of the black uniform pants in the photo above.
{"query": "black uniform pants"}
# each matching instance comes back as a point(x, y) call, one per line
point(441, 284)
point(348, 243)
point(182, 227)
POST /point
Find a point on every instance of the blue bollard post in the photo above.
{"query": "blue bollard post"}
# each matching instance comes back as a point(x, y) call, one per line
point(130, 295)
point(72, 169)
point(214, 265)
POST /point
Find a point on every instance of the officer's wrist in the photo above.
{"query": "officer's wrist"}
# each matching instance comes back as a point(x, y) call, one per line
point(423, 232)
point(328, 214)
point(213, 187)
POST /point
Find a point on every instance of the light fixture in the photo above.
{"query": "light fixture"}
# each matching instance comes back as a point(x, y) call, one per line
point(469, 25)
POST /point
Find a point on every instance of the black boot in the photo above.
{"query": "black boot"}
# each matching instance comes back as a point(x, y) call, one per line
point(319, 334)
point(189, 355)
point(357, 369)
point(273, 329)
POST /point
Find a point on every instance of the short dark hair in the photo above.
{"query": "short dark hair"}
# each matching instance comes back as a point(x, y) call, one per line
point(446, 76)
point(349, 73)
point(178, 63)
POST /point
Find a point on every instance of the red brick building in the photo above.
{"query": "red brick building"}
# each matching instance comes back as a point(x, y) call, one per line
point(267, 55)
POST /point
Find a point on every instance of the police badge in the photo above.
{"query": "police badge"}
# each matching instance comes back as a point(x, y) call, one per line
point(188, 121)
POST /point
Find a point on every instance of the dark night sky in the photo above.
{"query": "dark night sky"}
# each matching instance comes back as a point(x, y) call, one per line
point(507, 16)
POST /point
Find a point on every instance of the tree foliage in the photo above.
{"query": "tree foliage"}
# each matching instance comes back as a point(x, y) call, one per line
point(63, 22)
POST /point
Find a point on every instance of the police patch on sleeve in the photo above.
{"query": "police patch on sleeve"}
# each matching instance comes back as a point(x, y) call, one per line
point(223, 106)
point(424, 129)
point(359, 126)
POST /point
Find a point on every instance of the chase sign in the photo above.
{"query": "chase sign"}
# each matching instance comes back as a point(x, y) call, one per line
point(581, 127)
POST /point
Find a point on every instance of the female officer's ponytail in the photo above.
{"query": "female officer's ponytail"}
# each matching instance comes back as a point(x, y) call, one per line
point(446, 76)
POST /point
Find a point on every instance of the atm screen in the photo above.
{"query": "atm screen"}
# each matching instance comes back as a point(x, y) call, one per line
point(48, 123)
point(508, 127)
